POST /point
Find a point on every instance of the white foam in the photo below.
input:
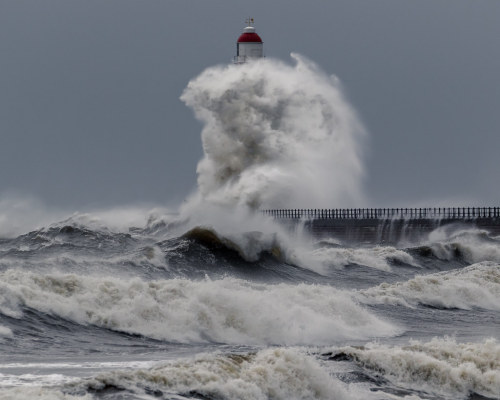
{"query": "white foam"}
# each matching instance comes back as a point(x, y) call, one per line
point(374, 257)
point(150, 255)
point(35, 380)
point(227, 310)
point(472, 244)
point(475, 286)
point(77, 365)
point(39, 393)
point(279, 373)
point(440, 366)
point(9, 302)
point(5, 331)
point(276, 135)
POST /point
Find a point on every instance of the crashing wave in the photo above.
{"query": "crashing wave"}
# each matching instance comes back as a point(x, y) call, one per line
point(378, 257)
point(439, 366)
point(475, 286)
point(276, 134)
point(268, 374)
point(179, 310)
point(469, 245)
point(251, 246)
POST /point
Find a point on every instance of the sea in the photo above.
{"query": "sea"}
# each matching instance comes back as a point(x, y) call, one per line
point(214, 300)
point(174, 310)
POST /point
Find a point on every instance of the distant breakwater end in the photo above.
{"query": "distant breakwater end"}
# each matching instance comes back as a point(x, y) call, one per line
point(386, 225)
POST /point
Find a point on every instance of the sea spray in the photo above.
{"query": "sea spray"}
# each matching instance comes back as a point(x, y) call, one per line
point(276, 136)
point(19, 214)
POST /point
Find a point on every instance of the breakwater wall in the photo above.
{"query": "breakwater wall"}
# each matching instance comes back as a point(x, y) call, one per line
point(386, 225)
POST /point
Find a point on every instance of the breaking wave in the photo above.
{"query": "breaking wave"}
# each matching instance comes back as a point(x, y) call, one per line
point(268, 374)
point(469, 245)
point(249, 245)
point(276, 135)
point(179, 310)
point(475, 286)
point(378, 257)
point(439, 366)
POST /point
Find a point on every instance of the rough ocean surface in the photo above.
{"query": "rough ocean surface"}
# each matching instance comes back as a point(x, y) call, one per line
point(153, 313)
point(216, 301)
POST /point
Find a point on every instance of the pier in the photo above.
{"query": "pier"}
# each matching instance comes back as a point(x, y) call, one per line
point(386, 225)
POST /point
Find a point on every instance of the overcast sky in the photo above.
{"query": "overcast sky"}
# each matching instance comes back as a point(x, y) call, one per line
point(90, 114)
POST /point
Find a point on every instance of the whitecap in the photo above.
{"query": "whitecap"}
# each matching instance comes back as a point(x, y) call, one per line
point(441, 365)
point(475, 286)
point(227, 310)
point(279, 373)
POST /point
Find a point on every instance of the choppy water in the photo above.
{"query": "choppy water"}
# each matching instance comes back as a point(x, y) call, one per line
point(180, 311)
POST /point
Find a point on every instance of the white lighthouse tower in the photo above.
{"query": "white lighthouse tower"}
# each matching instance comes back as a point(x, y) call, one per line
point(249, 45)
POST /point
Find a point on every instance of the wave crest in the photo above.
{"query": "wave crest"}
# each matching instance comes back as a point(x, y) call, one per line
point(271, 373)
point(251, 245)
point(179, 310)
point(475, 286)
point(378, 257)
point(438, 365)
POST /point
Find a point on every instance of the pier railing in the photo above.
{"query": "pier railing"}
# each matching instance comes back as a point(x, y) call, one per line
point(387, 213)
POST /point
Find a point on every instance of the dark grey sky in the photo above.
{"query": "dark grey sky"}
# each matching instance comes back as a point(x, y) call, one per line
point(89, 92)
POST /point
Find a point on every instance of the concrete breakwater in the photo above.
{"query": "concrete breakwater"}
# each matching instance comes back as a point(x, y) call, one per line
point(386, 225)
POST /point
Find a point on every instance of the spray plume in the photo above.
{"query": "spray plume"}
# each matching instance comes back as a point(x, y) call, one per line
point(276, 136)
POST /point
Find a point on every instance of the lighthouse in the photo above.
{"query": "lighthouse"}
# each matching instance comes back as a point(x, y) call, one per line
point(249, 45)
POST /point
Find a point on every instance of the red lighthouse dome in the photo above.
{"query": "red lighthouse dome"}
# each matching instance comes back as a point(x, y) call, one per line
point(249, 35)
